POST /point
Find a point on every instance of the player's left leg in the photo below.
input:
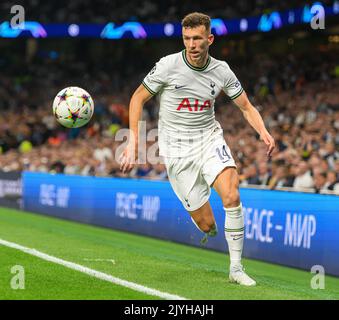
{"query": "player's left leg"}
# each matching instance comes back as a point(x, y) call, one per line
point(203, 219)
point(227, 186)
point(193, 192)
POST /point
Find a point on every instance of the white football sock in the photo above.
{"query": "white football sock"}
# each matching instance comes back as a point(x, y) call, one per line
point(234, 234)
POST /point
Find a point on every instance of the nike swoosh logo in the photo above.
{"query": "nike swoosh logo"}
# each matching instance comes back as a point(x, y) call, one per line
point(178, 87)
point(235, 239)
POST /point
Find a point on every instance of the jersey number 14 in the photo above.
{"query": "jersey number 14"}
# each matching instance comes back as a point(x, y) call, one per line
point(223, 154)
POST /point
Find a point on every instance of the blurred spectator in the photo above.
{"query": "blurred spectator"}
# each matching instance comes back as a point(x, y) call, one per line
point(143, 170)
point(332, 182)
point(159, 172)
point(263, 173)
point(57, 167)
point(249, 176)
point(319, 182)
point(103, 11)
point(103, 151)
point(329, 154)
point(303, 177)
point(279, 173)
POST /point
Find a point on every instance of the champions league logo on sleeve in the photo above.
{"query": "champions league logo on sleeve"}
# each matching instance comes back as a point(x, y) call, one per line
point(153, 70)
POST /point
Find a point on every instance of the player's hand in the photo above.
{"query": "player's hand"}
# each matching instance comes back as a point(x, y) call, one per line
point(127, 158)
point(269, 141)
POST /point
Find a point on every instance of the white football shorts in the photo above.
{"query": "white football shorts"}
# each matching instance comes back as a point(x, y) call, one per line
point(191, 177)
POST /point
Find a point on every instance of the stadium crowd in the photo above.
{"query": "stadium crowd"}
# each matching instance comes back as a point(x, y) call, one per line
point(297, 97)
point(102, 11)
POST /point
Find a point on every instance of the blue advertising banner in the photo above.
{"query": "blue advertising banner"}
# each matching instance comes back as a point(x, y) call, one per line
point(288, 228)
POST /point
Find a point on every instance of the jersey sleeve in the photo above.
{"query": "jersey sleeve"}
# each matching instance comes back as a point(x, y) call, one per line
point(232, 86)
point(157, 77)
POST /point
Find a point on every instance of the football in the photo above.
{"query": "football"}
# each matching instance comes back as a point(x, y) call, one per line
point(73, 107)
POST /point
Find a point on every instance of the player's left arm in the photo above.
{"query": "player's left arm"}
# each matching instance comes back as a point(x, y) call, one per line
point(254, 118)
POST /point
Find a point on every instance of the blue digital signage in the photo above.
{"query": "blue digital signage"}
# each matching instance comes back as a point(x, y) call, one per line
point(137, 30)
point(288, 228)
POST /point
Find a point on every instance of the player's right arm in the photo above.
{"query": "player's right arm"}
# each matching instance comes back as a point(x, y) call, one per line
point(139, 98)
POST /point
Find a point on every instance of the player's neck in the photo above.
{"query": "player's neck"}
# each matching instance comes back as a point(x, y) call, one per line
point(200, 63)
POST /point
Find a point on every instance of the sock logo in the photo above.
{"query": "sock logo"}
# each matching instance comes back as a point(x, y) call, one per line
point(237, 238)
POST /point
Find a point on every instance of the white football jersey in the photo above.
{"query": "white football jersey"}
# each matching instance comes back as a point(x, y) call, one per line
point(187, 96)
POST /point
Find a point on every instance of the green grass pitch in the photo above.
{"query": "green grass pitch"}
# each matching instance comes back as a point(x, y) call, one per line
point(177, 269)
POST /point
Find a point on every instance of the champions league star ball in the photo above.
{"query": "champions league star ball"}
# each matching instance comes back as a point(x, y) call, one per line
point(73, 107)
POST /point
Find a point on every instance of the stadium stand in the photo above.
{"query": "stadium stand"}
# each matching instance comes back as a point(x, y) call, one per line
point(296, 93)
point(77, 11)
point(299, 105)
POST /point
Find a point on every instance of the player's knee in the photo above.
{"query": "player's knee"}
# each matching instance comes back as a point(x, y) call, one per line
point(231, 199)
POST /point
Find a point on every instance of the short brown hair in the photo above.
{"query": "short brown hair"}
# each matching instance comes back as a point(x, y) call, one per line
point(196, 19)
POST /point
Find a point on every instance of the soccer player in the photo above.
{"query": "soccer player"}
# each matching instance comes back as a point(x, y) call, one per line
point(191, 141)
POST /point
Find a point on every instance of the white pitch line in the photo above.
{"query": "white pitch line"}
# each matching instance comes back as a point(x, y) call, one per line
point(100, 260)
point(91, 272)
